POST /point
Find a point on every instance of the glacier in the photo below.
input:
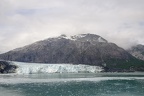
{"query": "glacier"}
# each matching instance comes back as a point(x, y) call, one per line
point(35, 68)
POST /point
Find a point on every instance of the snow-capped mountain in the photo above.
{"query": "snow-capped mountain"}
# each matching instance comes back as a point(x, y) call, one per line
point(137, 51)
point(87, 49)
point(84, 37)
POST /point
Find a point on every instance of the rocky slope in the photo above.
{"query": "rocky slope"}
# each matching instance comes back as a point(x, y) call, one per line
point(137, 51)
point(7, 67)
point(88, 49)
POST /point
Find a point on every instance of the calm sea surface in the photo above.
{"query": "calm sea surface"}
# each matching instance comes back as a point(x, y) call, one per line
point(81, 84)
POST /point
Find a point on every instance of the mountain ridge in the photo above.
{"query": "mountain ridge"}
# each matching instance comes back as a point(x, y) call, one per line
point(87, 49)
point(137, 51)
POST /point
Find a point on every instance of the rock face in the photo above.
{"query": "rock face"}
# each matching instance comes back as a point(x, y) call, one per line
point(88, 49)
point(6, 67)
point(137, 51)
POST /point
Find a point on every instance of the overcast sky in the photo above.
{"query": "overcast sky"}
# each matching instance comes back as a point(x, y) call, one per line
point(23, 22)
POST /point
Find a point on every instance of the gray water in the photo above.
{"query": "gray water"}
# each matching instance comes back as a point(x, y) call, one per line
point(84, 84)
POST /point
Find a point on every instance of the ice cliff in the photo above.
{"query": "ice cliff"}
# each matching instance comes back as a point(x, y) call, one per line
point(35, 68)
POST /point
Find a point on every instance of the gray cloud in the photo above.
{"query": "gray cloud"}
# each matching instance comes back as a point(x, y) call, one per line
point(25, 21)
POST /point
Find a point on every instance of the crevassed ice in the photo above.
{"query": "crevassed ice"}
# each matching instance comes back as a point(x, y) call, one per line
point(32, 68)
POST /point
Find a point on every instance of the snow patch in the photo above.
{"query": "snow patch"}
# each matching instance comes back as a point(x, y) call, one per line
point(65, 37)
point(75, 37)
point(100, 39)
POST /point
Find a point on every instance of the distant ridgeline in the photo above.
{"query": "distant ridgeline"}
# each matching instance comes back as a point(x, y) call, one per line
point(137, 51)
point(87, 49)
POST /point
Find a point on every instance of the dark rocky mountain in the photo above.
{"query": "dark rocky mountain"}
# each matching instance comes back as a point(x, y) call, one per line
point(137, 51)
point(7, 67)
point(88, 49)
